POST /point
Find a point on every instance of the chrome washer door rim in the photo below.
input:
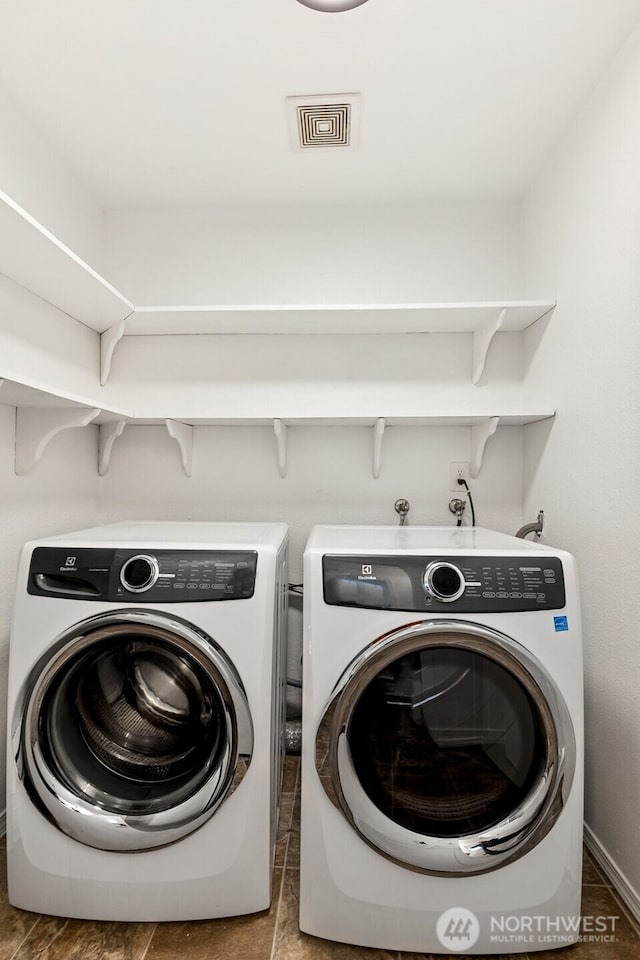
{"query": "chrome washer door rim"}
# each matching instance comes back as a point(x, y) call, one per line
point(79, 814)
point(474, 853)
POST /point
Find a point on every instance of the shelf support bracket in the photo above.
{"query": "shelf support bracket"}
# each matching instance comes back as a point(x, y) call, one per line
point(108, 342)
point(182, 433)
point(280, 431)
point(480, 433)
point(37, 426)
point(482, 338)
point(378, 434)
point(107, 436)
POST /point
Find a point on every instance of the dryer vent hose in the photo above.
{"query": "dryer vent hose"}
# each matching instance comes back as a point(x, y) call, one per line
point(293, 737)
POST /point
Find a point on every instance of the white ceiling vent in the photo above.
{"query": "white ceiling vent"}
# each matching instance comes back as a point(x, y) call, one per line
point(324, 121)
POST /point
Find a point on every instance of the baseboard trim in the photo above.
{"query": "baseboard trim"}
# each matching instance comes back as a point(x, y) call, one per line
point(627, 893)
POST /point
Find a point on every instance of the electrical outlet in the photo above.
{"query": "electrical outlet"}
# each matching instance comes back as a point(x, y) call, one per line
point(458, 471)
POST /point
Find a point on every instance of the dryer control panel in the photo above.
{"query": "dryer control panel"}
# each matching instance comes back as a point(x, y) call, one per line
point(444, 584)
point(142, 575)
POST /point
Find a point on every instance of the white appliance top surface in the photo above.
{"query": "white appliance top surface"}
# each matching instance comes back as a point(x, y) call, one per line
point(176, 533)
point(396, 539)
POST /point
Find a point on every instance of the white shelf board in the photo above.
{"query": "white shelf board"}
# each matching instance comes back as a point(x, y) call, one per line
point(15, 394)
point(333, 318)
point(36, 259)
point(452, 420)
point(39, 261)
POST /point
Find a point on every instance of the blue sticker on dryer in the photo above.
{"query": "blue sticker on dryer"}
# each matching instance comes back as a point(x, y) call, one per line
point(560, 624)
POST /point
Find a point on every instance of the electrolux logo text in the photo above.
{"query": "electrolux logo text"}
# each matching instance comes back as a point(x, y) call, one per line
point(367, 572)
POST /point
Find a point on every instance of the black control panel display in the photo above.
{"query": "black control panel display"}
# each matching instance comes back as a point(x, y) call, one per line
point(444, 584)
point(142, 575)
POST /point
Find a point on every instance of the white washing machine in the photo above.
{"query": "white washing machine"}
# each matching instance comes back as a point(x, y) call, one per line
point(442, 747)
point(146, 721)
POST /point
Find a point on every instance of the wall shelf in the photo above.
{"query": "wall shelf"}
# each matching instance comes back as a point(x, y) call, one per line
point(482, 429)
point(42, 414)
point(36, 259)
point(368, 318)
point(482, 320)
point(39, 261)
point(14, 393)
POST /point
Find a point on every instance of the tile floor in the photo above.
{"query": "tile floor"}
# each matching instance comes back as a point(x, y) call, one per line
point(271, 935)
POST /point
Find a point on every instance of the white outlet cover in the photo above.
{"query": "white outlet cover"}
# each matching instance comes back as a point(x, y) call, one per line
point(459, 470)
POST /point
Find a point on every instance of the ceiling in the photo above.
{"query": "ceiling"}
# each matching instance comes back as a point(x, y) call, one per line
point(173, 103)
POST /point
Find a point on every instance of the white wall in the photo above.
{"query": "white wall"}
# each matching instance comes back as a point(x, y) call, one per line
point(581, 239)
point(316, 254)
point(42, 182)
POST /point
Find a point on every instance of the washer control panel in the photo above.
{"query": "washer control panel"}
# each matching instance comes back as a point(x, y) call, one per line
point(444, 583)
point(142, 575)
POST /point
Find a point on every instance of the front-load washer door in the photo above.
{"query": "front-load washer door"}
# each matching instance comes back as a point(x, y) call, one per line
point(133, 729)
point(447, 748)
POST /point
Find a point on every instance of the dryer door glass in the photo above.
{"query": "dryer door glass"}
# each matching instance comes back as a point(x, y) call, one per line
point(138, 724)
point(445, 741)
point(447, 747)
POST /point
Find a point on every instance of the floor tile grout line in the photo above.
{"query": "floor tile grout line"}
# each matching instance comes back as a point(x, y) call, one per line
point(296, 785)
point(274, 938)
point(285, 854)
point(276, 925)
point(25, 938)
point(635, 923)
point(154, 927)
point(59, 932)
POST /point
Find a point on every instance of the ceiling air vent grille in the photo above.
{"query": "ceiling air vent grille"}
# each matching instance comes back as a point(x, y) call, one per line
point(323, 121)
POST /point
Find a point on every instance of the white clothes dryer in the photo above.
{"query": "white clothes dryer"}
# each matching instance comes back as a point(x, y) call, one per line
point(442, 776)
point(146, 721)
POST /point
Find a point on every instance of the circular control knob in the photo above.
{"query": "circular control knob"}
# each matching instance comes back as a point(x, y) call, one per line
point(139, 573)
point(444, 581)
